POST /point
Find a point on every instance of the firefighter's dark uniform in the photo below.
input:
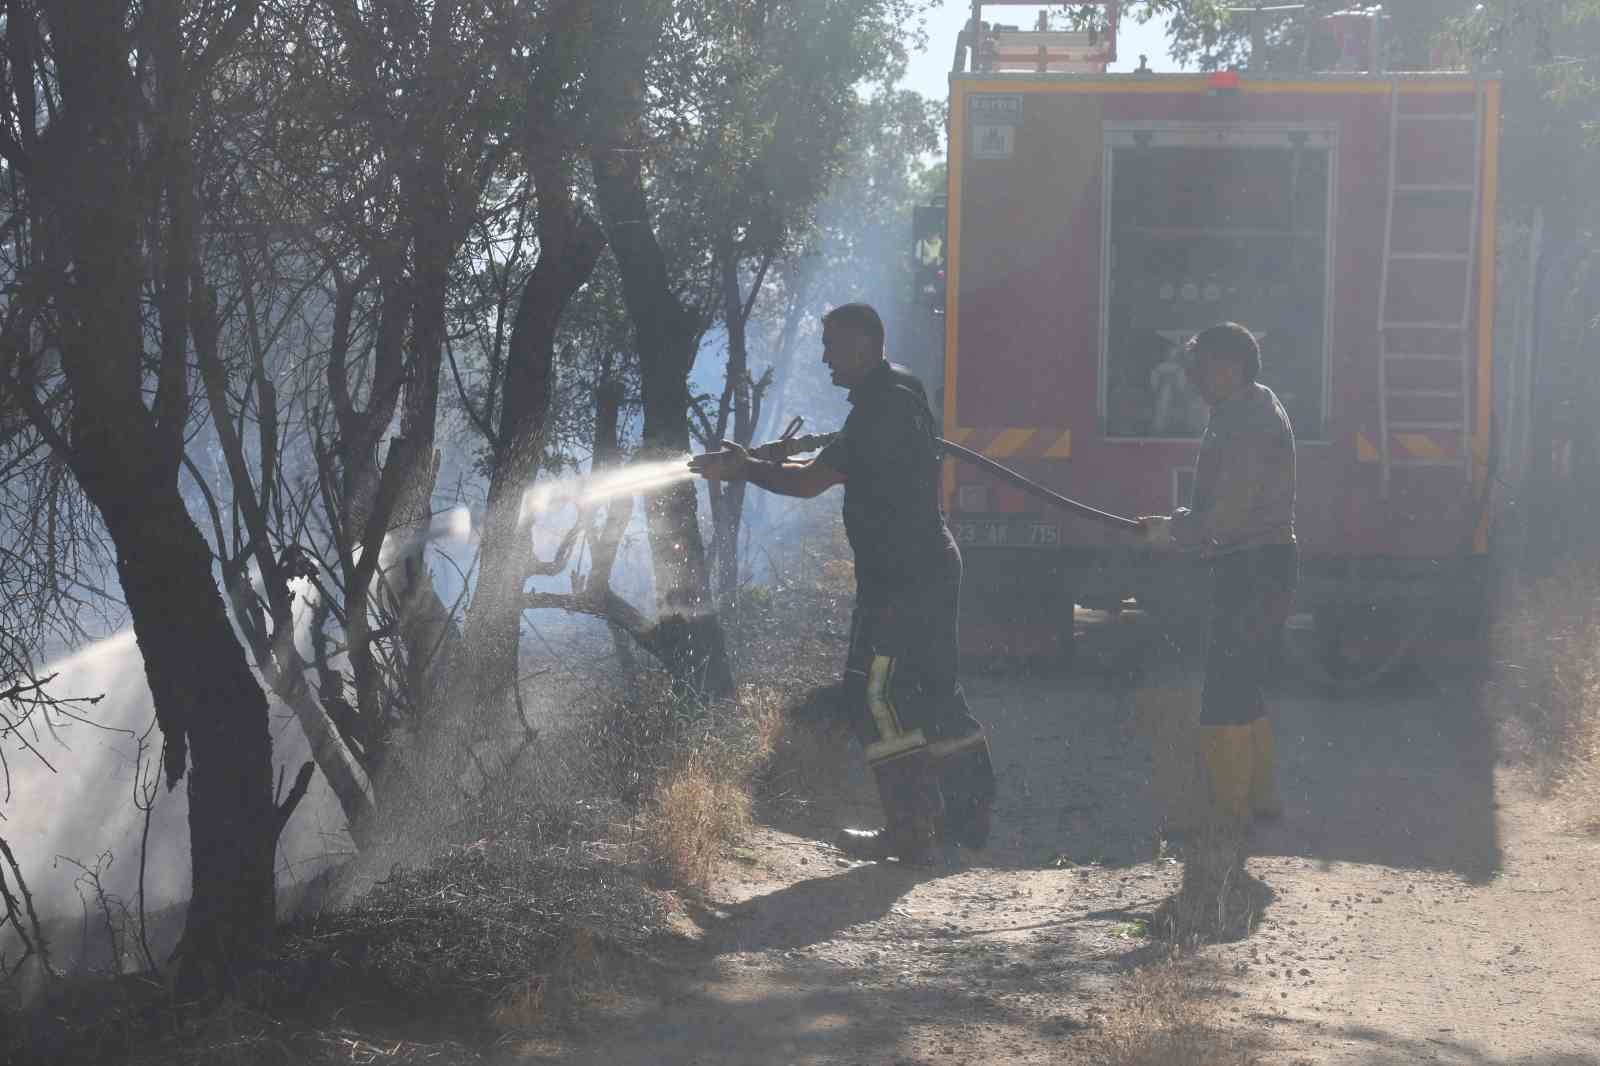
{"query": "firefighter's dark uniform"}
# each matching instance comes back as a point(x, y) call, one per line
point(930, 756)
point(1242, 519)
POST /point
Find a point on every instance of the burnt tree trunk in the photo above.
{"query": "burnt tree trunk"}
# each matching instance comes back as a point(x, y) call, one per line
point(570, 243)
point(202, 687)
point(667, 335)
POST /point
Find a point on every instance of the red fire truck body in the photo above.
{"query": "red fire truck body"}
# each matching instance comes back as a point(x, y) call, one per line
point(1096, 221)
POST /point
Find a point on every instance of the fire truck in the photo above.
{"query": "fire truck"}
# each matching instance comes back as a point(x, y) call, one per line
point(1095, 221)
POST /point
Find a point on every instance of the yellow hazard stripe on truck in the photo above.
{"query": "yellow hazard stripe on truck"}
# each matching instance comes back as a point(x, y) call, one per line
point(1409, 445)
point(1009, 443)
point(1016, 442)
point(1419, 446)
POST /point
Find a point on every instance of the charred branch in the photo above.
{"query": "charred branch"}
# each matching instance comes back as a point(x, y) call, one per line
point(284, 805)
point(30, 933)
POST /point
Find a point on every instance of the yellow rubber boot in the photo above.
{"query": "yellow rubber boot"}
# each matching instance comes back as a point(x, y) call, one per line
point(1265, 802)
point(1228, 753)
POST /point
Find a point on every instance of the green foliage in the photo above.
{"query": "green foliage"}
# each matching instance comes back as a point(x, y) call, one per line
point(1547, 53)
point(757, 110)
point(858, 246)
point(1204, 33)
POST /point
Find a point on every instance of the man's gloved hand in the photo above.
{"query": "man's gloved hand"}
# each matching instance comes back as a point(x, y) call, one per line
point(775, 451)
point(1155, 531)
point(730, 464)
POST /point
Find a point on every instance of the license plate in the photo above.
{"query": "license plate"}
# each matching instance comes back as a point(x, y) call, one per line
point(1005, 533)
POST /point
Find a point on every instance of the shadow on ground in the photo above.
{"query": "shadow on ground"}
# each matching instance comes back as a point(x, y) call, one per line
point(812, 911)
point(824, 971)
point(1368, 1046)
point(1399, 775)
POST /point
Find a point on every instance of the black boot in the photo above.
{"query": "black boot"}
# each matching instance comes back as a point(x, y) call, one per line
point(912, 806)
point(966, 821)
point(966, 779)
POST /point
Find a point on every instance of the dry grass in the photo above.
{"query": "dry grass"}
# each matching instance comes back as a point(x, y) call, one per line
point(1544, 686)
point(813, 775)
point(702, 799)
point(1169, 1016)
point(710, 763)
point(696, 812)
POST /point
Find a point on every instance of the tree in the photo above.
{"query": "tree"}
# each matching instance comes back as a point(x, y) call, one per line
point(241, 321)
point(855, 248)
point(99, 117)
point(1549, 56)
point(429, 85)
point(1217, 35)
point(514, 420)
point(627, 40)
point(376, 135)
point(712, 148)
point(773, 136)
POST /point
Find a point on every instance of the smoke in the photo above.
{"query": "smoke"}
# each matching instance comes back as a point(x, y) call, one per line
point(85, 807)
point(449, 527)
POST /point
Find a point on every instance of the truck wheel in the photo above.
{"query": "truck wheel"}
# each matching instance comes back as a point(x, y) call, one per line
point(1353, 647)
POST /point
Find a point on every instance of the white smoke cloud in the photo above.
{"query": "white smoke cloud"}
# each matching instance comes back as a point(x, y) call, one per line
point(86, 807)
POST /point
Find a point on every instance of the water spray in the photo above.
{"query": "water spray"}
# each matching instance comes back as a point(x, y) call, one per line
point(588, 490)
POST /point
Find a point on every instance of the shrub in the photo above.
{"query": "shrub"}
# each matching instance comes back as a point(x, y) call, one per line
point(701, 801)
point(1169, 1016)
point(1544, 685)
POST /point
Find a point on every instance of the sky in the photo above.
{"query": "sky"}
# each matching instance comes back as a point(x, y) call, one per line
point(929, 70)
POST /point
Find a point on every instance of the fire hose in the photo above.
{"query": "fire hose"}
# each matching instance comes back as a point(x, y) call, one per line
point(791, 444)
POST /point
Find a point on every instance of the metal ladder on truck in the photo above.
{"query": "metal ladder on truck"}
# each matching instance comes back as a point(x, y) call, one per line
point(1425, 363)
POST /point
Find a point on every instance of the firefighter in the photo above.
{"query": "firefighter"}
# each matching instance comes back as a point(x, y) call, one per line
point(929, 756)
point(1242, 521)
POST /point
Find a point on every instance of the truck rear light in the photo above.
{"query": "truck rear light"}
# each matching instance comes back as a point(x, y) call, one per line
point(1223, 83)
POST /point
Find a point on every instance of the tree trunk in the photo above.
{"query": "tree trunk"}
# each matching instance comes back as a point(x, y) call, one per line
point(667, 337)
point(782, 369)
point(125, 452)
point(283, 670)
point(429, 635)
point(204, 691)
point(428, 630)
point(738, 404)
point(359, 495)
point(570, 244)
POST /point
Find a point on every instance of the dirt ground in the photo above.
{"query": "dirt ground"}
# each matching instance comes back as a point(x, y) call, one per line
point(1424, 906)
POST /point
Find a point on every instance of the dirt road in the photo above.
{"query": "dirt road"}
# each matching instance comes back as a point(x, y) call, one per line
point(1423, 907)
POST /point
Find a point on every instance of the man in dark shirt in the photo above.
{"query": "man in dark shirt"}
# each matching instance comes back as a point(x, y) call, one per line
point(1242, 522)
point(929, 755)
